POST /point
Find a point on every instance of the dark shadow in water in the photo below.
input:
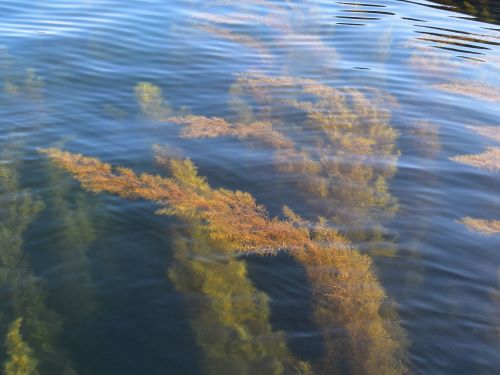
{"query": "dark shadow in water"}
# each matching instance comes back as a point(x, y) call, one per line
point(291, 301)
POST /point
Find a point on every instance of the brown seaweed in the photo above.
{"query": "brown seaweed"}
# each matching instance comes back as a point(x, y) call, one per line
point(482, 226)
point(346, 291)
point(488, 160)
point(40, 347)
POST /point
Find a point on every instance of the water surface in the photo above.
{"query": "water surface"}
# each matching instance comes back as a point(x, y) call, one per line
point(377, 122)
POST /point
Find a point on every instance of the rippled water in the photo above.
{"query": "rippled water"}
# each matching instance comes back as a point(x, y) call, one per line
point(376, 121)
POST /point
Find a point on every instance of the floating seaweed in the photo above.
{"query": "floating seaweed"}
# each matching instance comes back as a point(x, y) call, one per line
point(347, 294)
point(488, 160)
point(482, 226)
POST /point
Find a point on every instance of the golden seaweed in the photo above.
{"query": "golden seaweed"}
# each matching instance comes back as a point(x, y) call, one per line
point(475, 89)
point(343, 174)
point(346, 291)
point(492, 132)
point(482, 226)
point(151, 101)
point(229, 316)
point(488, 160)
point(21, 360)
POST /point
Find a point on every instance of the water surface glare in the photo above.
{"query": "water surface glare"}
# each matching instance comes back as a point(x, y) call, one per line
point(249, 187)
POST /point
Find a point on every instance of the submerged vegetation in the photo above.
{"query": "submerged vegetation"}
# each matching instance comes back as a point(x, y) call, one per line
point(229, 316)
point(151, 101)
point(27, 301)
point(488, 160)
point(346, 291)
point(479, 90)
point(340, 158)
point(484, 227)
point(20, 356)
point(492, 132)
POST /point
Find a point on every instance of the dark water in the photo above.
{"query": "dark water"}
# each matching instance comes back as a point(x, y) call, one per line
point(350, 111)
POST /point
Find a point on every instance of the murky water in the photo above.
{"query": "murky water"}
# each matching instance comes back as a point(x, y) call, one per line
point(364, 135)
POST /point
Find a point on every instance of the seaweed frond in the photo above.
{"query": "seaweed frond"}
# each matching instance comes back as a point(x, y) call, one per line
point(347, 293)
point(492, 132)
point(151, 101)
point(20, 357)
point(476, 89)
point(212, 127)
point(482, 226)
point(489, 159)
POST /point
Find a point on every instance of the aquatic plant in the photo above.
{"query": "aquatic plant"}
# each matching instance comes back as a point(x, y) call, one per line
point(204, 127)
point(151, 101)
point(75, 230)
point(290, 35)
point(488, 160)
point(347, 148)
point(26, 297)
point(482, 226)
point(21, 360)
point(238, 38)
point(492, 132)
point(347, 294)
point(428, 60)
point(229, 316)
point(476, 89)
point(425, 136)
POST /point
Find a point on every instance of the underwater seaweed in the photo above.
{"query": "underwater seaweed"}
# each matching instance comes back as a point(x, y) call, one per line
point(238, 38)
point(151, 101)
point(26, 297)
point(425, 136)
point(492, 132)
point(76, 232)
point(488, 160)
point(348, 167)
point(204, 127)
point(230, 317)
point(20, 356)
point(482, 226)
point(346, 292)
point(291, 34)
point(475, 89)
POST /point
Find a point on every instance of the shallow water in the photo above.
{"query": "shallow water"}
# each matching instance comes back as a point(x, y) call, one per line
point(361, 113)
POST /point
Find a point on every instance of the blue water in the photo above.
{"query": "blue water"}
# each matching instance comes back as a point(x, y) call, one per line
point(92, 276)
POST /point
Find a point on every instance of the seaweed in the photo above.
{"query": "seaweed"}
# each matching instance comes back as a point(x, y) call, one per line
point(347, 293)
point(21, 360)
point(492, 132)
point(26, 298)
point(347, 147)
point(488, 160)
point(482, 226)
point(475, 89)
point(229, 316)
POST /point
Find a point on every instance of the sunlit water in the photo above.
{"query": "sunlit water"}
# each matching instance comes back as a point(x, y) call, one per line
point(363, 113)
